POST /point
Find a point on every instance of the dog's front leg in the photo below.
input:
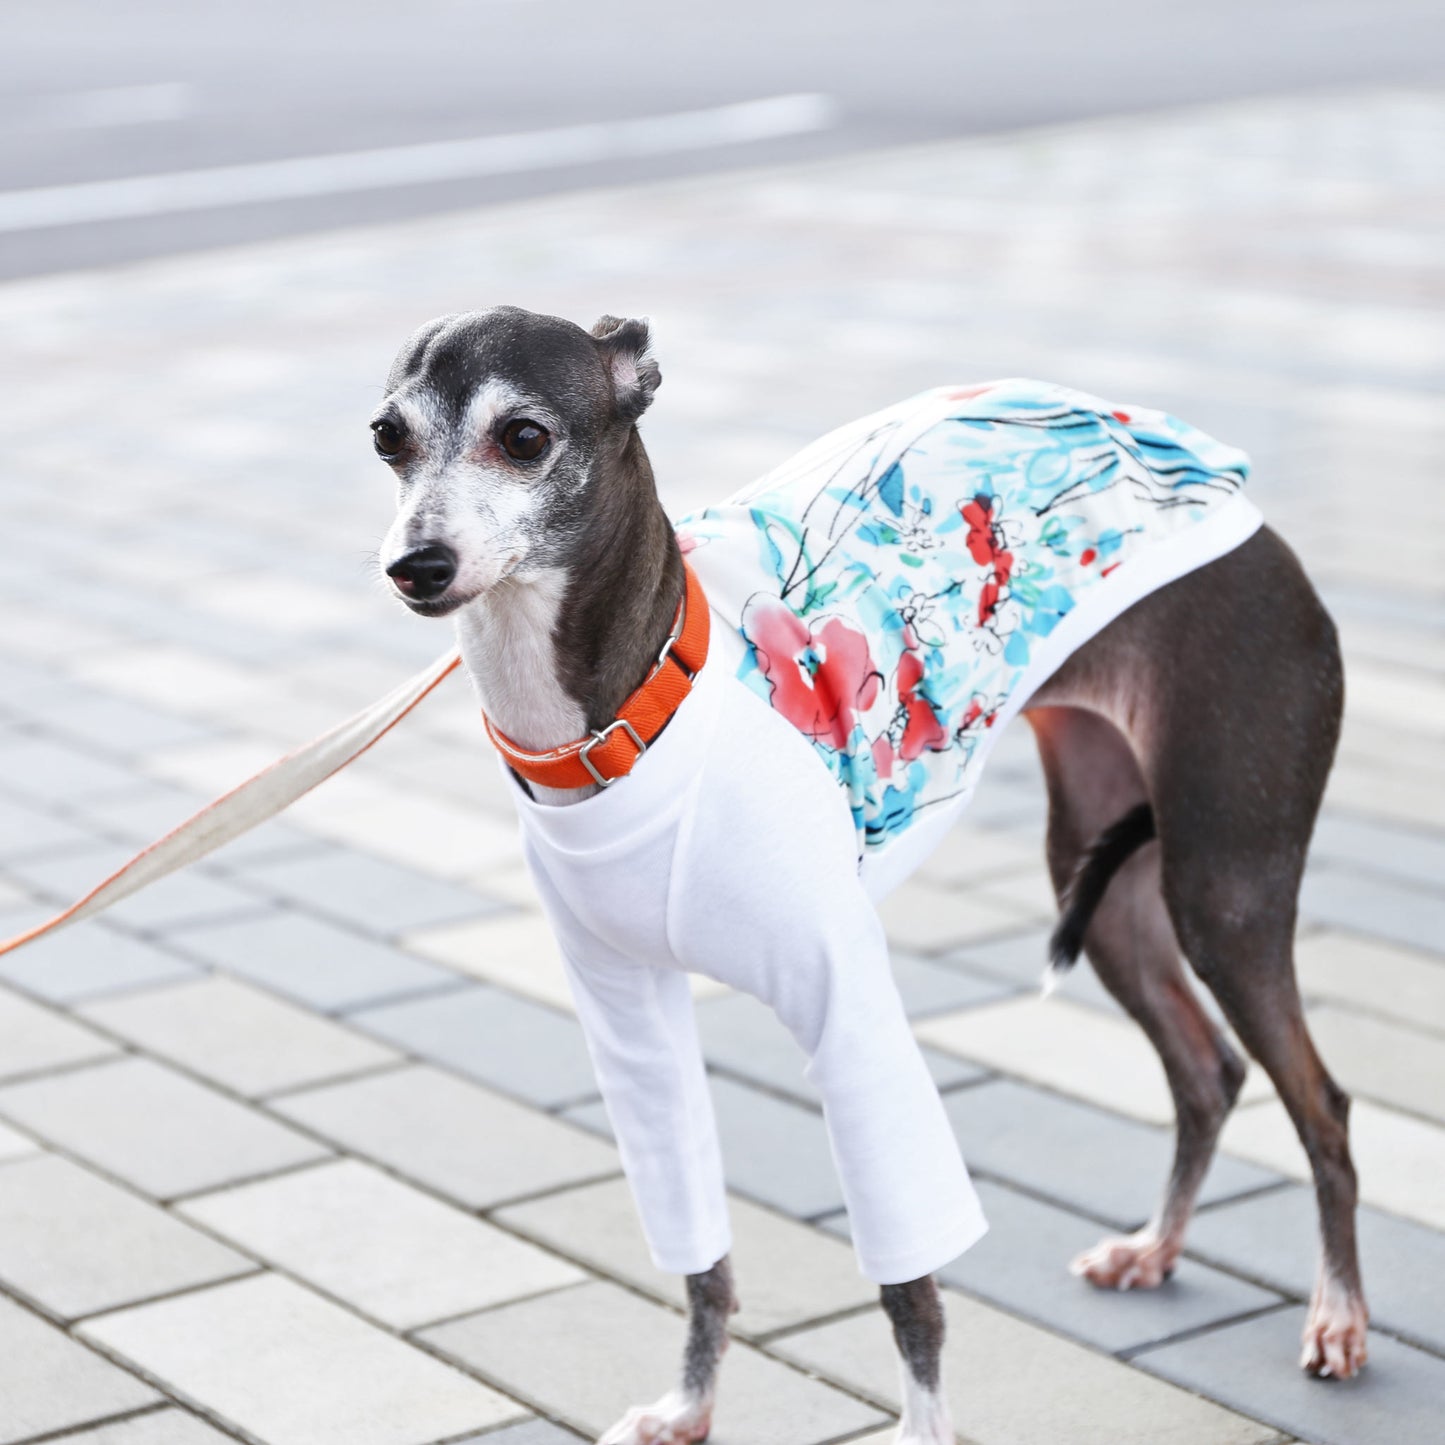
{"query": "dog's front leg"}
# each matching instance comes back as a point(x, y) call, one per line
point(684, 1415)
point(916, 1312)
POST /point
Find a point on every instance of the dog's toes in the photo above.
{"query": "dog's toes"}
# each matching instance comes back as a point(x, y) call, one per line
point(1335, 1338)
point(1138, 1261)
point(674, 1420)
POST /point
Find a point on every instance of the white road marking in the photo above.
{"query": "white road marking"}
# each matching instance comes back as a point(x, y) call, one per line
point(115, 105)
point(411, 165)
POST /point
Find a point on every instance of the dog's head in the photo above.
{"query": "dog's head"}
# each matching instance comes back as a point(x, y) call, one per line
point(497, 424)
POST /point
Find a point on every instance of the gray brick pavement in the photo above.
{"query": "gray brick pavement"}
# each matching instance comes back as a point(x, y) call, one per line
point(1287, 297)
point(310, 960)
point(1238, 1364)
point(89, 960)
point(522, 1048)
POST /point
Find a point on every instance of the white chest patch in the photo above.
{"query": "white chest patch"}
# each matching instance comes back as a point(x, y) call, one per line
point(506, 642)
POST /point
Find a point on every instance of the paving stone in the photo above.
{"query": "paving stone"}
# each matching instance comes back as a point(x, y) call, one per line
point(34, 1039)
point(436, 837)
point(363, 892)
point(788, 1273)
point(150, 810)
point(241, 1038)
point(394, 1253)
point(1011, 1383)
point(510, 1043)
point(463, 1141)
point(52, 772)
point(30, 831)
point(512, 885)
point(773, 1151)
point(924, 918)
point(185, 897)
point(931, 988)
point(1079, 1156)
point(517, 951)
point(15, 1145)
point(1253, 1366)
point(1018, 804)
point(1021, 1264)
point(89, 960)
point(1029, 889)
point(201, 682)
point(743, 1036)
point(1274, 1238)
point(1079, 1051)
point(1379, 1060)
point(13, 897)
point(1409, 854)
point(587, 1354)
point(110, 724)
point(533, 1432)
point(49, 1383)
point(154, 1128)
point(970, 854)
point(1020, 959)
point(1400, 1160)
point(1377, 907)
point(310, 960)
point(1400, 794)
point(268, 1357)
point(19, 678)
point(74, 1244)
point(155, 1427)
point(1380, 978)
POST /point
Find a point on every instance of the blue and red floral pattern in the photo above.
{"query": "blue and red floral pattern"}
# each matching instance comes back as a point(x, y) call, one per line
point(893, 581)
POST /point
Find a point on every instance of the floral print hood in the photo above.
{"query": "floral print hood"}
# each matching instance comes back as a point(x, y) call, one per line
point(893, 582)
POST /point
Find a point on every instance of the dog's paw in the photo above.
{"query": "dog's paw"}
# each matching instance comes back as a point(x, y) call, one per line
point(676, 1419)
point(1136, 1261)
point(930, 1433)
point(1334, 1337)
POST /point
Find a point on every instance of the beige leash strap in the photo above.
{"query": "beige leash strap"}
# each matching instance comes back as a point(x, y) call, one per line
point(269, 792)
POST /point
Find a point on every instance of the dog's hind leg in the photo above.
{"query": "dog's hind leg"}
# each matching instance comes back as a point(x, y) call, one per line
point(684, 1415)
point(1235, 794)
point(1093, 781)
point(916, 1314)
point(1229, 686)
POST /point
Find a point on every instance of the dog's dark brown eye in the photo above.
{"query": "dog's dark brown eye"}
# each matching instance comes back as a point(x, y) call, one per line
point(524, 440)
point(386, 437)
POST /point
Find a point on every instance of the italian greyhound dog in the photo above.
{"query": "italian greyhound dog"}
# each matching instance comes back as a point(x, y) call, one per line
point(1181, 797)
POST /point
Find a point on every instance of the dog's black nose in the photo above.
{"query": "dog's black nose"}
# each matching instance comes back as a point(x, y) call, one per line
point(425, 574)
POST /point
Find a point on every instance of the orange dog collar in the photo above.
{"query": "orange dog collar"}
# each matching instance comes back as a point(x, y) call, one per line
point(610, 752)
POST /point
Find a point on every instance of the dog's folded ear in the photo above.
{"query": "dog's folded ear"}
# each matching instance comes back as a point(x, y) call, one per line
point(635, 375)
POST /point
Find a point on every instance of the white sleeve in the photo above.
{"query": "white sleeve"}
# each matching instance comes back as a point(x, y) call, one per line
point(767, 899)
point(642, 1036)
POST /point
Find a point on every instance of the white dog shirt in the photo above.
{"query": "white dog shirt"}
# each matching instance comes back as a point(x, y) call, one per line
point(883, 604)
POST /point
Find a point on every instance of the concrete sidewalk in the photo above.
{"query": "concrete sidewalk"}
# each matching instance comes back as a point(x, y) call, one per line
point(303, 1146)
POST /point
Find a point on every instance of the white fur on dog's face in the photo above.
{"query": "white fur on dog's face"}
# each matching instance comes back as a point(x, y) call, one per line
point(458, 488)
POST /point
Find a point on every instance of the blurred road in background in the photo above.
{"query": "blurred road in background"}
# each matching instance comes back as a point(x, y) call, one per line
point(335, 113)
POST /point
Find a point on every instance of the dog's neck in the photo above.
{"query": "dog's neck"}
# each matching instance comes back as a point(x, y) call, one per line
point(555, 652)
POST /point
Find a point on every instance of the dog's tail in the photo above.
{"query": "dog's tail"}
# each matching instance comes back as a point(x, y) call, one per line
point(1085, 890)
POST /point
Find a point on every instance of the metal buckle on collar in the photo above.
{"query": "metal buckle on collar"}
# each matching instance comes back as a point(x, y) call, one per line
point(601, 736)
point(673, 638)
